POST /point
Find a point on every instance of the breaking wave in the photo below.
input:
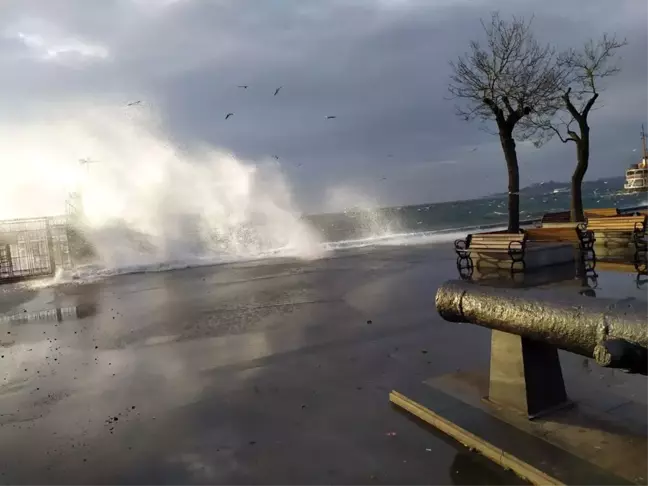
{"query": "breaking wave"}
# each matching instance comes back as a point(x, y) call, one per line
point(143, 203)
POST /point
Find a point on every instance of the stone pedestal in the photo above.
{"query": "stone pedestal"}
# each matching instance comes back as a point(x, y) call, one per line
point(538, 254)
point(613, 240)
point(525, 375)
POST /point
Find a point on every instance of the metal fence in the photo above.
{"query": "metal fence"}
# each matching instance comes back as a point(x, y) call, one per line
point(32, 248)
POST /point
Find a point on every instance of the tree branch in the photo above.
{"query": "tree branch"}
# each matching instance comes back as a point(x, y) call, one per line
point(499, 115)
point(507, 103)
point(510, 78)
point(569, 105)
point(592, 63)
point(589, 105)
point(573, 135)
point(563, 140)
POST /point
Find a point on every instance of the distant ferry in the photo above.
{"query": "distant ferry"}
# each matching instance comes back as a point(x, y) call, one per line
point(637, 174)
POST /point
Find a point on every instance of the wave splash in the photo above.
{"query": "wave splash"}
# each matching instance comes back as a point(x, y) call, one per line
point(146, 203)
point(148, 206)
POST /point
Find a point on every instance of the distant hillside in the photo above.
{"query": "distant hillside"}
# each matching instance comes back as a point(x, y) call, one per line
point(541, 188)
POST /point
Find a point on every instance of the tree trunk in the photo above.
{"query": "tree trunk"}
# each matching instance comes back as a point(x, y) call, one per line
point(510, 154)
point(582, 156)
point(577, 214)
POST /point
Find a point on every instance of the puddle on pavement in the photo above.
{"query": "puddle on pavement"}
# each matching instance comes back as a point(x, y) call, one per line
point(57, 314)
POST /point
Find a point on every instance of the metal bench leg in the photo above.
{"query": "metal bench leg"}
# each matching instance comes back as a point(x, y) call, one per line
point(465, 267)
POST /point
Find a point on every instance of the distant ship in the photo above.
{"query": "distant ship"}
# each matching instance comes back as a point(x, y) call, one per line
point(637, 174)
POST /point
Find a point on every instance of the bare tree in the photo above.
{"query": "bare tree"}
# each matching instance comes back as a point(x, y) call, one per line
point(511, 80)
point(586, 67)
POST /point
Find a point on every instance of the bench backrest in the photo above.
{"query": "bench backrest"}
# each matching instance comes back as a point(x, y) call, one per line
point(601, 212)
point(621, 223)
point(552, 234)
point(497, 240)
point(560, 217)
point(564, 216)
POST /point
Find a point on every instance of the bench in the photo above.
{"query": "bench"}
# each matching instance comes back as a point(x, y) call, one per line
point(620, 224)
point(575, 235)
point(621, 227)
point(564, 216)
point(511, 244)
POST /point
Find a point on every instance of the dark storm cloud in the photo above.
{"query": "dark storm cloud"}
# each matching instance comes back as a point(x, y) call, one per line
point(379, 66)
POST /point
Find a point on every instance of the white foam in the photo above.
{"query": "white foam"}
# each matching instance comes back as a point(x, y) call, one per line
point(150, 206)
point(92, 273)
point(146, 203)
point(401, 239)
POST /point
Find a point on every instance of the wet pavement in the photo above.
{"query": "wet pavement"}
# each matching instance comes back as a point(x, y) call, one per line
point(264, 372)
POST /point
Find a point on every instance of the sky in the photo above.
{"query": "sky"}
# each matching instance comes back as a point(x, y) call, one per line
point(379, 66)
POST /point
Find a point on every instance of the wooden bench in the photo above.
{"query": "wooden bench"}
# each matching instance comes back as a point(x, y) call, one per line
point(564, 216)
point(633, 227)
point(511, 244)
point(576, 235)
point(553, 234)
point(622, 224)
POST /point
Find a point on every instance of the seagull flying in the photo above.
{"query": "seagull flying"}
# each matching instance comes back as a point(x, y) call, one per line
point(277, 91)
point(330, 117)
point(244, 86)
point(276, 157)
point(133, 103)
point(473, 150)
point(228, 115)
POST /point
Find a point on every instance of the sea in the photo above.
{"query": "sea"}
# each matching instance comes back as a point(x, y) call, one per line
point(126, 251)
point(430, 222)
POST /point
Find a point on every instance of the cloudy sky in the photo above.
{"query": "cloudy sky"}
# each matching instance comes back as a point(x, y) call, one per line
point(379, 66)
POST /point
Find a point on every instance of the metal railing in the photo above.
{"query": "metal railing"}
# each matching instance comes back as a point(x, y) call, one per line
point(31, 248)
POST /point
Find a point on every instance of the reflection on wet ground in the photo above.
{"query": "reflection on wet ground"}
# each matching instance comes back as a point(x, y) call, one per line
point(272, 372)
point(619, 285)
point(615, 277)
point(57, 314)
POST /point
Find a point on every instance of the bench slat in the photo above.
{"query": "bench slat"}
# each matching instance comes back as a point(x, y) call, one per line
point(601, 212)
point(489, 240)
point(494, 247)
point(497, 242)
point(622, 223)
point(614, 220)
point(553, 234)
point(618, 218)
